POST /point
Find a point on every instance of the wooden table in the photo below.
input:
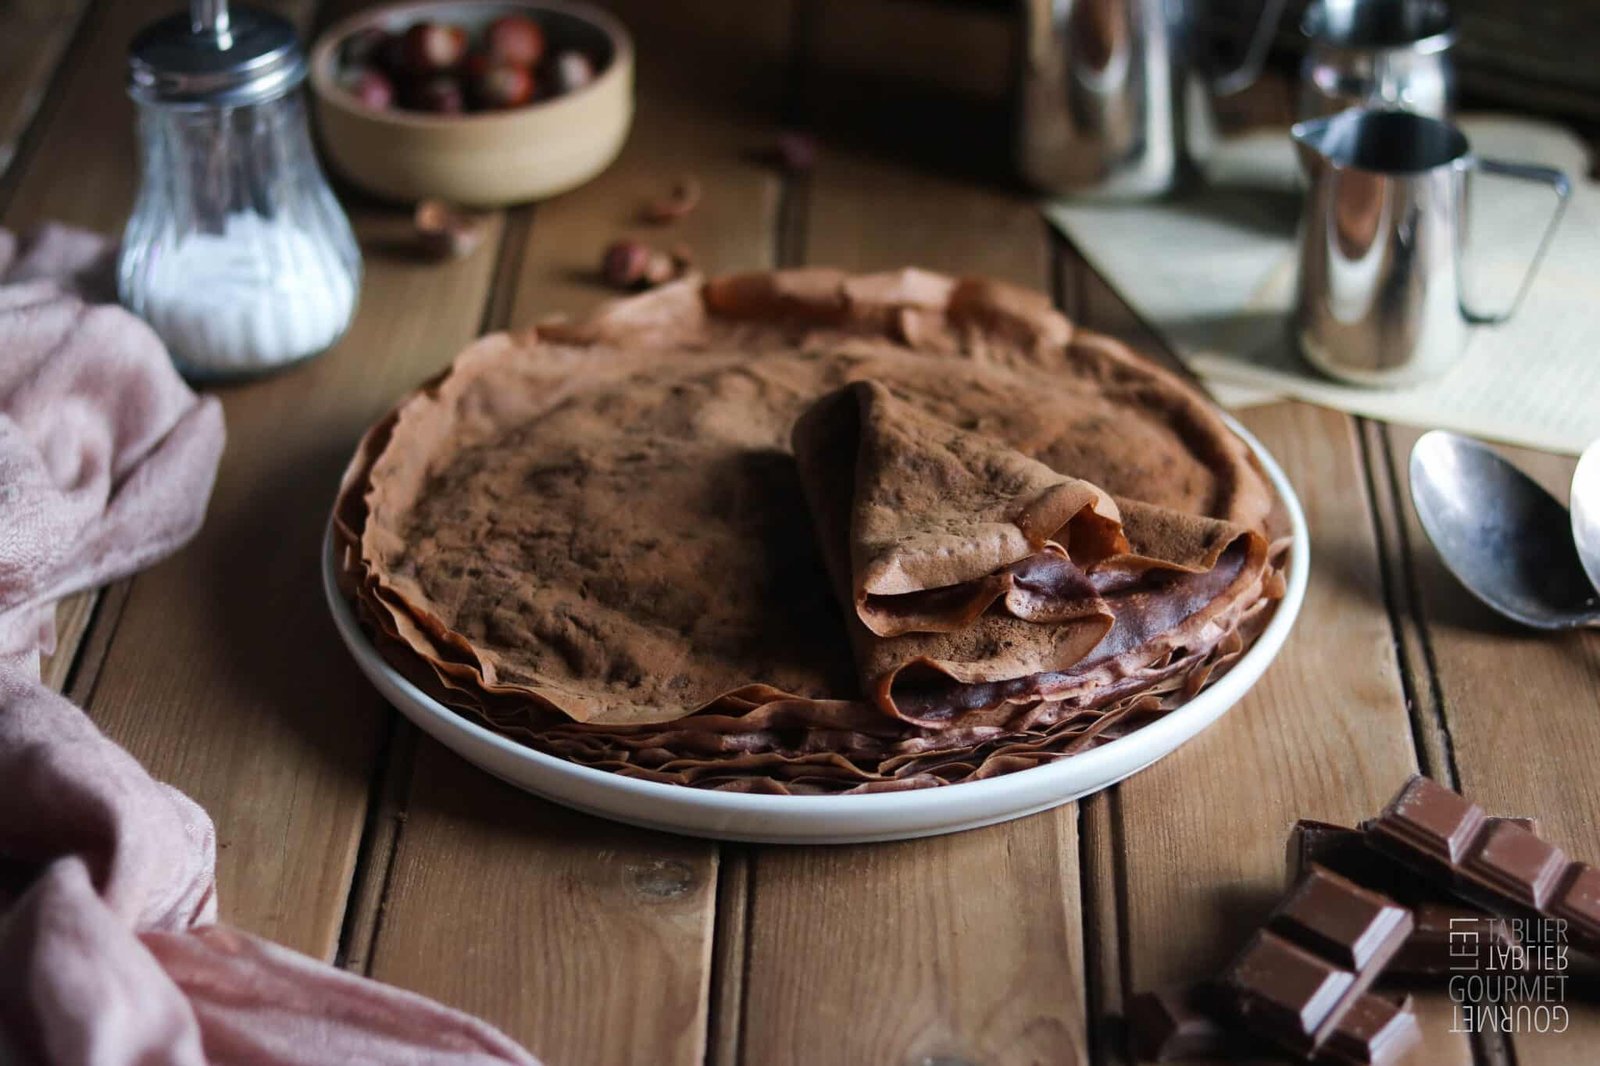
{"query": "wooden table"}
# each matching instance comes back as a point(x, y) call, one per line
point(346, 835)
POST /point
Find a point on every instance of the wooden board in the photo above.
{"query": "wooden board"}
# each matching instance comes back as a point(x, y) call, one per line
point(1522, 710)
point(591, 942)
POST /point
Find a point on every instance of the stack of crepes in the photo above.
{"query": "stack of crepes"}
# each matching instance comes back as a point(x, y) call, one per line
point(806, 532)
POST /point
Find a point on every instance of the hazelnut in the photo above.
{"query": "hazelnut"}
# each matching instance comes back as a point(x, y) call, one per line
point(683, 199)
point(432, 48)
point(502, 85)
point(515, 39)
point(441, 95)
point(625, 264)
point(635, 265)
point(446, 232)
point(371, 87)
point(571, 70)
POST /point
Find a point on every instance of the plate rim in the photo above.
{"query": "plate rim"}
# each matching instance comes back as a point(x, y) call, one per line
point(927, 802)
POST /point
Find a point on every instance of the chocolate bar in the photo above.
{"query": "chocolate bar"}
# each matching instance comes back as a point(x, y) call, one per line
point(1171, 1025)
point(1494, 863)
point(1317, 954)
point(1347, 853)
point(1447, 936)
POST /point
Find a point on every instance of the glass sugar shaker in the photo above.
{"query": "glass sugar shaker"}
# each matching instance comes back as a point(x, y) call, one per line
point(237, 253)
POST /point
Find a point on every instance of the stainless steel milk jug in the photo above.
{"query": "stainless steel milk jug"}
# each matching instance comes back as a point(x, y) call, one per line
point(1379, 298)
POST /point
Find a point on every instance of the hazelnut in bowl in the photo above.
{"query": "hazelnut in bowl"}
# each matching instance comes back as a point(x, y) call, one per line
point(479, 102)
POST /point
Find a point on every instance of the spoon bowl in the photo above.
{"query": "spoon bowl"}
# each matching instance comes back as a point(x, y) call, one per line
point(1586, 511)
point(1503, 536)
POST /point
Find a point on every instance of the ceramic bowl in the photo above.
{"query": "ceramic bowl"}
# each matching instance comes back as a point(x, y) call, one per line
point(482, 159)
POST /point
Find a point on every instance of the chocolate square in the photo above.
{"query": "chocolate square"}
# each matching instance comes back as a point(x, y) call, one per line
point(1168, 1024)
point(1438, 821)
point(1449, 938)
point(1286, 992)
point(1336, 918)
point(1578, 901)
point(1516, 863)
point(1373, 1030)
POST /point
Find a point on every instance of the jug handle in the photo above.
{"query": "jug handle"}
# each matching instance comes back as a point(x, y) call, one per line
point(1245, 74)
point(1562, 187)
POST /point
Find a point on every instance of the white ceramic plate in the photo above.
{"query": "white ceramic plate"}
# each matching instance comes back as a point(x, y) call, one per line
point(836, 819)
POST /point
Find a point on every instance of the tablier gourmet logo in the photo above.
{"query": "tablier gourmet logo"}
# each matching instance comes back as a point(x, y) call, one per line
point(1508, 975)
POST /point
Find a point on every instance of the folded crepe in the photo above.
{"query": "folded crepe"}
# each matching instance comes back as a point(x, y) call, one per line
point(978, 576)
point(944, 522)
point(592, 535)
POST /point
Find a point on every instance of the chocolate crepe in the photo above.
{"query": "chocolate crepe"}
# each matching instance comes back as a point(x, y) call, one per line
point(944, 522)
point(593, 536)
point(979, 576)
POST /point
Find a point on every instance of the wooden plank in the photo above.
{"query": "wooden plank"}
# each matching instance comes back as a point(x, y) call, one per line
point(33, 37)
point(1325, 734)
point(965, 948)
point(553, 922)
point(73, 615)
point(224, 675)
point(588, 941)
point(1522, 709)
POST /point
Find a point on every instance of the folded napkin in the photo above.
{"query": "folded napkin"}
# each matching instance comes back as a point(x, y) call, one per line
point(110, 951)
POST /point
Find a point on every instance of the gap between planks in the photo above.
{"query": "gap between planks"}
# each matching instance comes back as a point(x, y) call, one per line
point(373, 874)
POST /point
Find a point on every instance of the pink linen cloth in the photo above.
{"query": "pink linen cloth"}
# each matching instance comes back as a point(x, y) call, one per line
point(110, 951)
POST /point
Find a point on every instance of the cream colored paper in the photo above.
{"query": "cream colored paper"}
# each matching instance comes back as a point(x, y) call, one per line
point(1214, 274)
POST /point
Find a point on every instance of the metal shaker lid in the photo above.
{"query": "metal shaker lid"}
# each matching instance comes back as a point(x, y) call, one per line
point(212, 57)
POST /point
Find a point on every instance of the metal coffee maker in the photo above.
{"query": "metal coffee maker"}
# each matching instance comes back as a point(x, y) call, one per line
point(1391, 55)
point(1114, 95)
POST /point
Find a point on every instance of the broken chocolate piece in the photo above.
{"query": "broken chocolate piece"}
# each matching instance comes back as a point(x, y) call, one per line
point(1373, 1032)
point(1169, 1025)
point(1447, 935)
point(1494, 863)
point(1319, 952)
point(1337, 919)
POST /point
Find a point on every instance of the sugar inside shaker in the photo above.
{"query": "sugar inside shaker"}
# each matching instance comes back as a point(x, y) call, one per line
point(237, 252)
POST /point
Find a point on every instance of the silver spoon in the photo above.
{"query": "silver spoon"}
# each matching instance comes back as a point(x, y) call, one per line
point(1503, 537)
point(1586, 511)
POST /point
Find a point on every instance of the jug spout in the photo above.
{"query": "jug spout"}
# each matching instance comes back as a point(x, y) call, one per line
point(1310, 144)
